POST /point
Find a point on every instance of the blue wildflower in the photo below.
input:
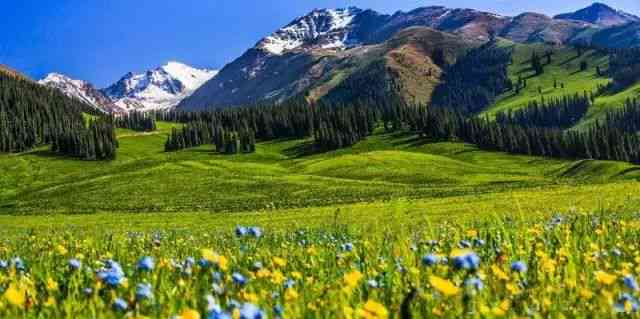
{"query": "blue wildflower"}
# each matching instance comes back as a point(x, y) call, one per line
point(112, 274)
point(251, 311)
point(478, 242)
point(278, 310)
point(255, 232)
point(120, 305)
point(469, 261)
point(519, 266)
point(144, 292)
point(257, 266)
point(464, 244)
point(146, 264)
point(474, 283)
point(624, 300)
point(239, 279)
point(347, 247)
point(241, 231)
point(74, 264)
point(289, 283)
point(204, 263)
point(189, 262)
point(18, 264)
point(430, 260)
point(630, 282)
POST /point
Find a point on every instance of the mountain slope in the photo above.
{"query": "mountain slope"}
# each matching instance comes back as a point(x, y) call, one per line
point(623, 36)
point(161, 88)
point(403, 65)
point(408, 66)
point(600, 14)
point(81, 90)
point(306, 53)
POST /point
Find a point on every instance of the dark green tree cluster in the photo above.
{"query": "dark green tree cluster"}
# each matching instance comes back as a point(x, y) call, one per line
point(236, 130)
point(555, 112)
point(294, 119)
point(235, 142)
point(136, 121)
point(626, 119)
point(32, 115)
point(343, 126)
point(536, 64)
point(475, 80)
point(202, 132)
point(599, 142)
point(97, 142)
point(624, 67)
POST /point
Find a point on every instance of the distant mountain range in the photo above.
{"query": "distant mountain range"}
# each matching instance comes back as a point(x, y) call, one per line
point(600, 14)
point(316, 54)
point(157, 89)
point(322, 54)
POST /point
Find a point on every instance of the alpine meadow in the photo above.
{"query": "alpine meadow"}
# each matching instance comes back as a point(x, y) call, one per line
point(429, 163)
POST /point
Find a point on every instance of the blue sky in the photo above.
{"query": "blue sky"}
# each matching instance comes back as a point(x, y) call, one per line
point(101, 40)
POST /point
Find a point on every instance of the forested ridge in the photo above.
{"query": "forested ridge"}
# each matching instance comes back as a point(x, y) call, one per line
point(32, 115)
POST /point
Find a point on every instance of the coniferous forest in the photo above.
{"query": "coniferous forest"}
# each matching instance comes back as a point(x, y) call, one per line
point(554, 112)
point(136, 121)
point(475, 80)
point(32, 115)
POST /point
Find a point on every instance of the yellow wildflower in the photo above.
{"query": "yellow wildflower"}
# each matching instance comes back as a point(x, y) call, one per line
point(61, 250)
point(605, 278)
point(373, 310)
point(277, 278)
point(223, 263)
point(15, 296)
point(444, 286)
point(586, 293)
point(263, 273)
point(279, 262)
point(209, 255)
point(50, 302)
point(52, 285)
point(290, 294)
point(353, 278)
point(501, 275)
point(190, 314)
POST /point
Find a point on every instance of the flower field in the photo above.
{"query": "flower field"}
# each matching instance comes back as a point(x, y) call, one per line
point(573, 265)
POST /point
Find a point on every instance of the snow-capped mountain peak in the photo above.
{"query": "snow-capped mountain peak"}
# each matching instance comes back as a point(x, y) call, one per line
point(81, 90)
point(161, 88)
point(326, 28)
point(158, 89)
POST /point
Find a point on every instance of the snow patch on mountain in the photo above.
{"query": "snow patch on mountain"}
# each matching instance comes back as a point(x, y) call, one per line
point(81, 90)
point(328, 27)
point(158, 89)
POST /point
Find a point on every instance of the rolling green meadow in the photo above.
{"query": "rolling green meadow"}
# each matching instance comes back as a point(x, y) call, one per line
point(353, 164)
point(395, 226)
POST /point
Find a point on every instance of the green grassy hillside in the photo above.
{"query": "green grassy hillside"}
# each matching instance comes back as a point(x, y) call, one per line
point(565, 69)
point(280, 174)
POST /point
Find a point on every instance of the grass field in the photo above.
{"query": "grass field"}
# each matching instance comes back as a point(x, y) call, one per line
point(392, 227)
point(279, 175)
point(565, 69)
